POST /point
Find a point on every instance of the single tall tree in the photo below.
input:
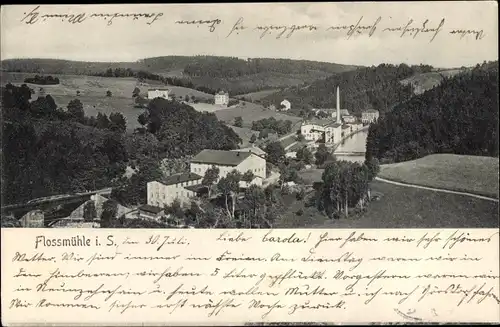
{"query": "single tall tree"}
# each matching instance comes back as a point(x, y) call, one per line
point(229, 187)
point(210, 178)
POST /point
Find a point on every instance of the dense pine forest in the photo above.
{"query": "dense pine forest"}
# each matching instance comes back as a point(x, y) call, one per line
point(376, 88)
point(459, 116)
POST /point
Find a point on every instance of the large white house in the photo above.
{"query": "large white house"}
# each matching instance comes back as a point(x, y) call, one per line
point(222, 98)
point(158, 93)
point(228, 161)
point(285, 105)
point(186, 185)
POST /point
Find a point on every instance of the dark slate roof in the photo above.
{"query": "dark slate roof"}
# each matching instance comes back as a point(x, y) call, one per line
point(195, 188)
point(179, 178)
point(317, 121)
point(219, 157)
point(335, 125)
point(254, 149)
point(345, 127)
point(151, 209)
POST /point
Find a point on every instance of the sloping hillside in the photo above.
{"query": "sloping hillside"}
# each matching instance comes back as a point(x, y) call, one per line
point(235, 75)
point(426, 81)
point(92, 93)
point(459, 116)
point(474, 174)
point(361, 89)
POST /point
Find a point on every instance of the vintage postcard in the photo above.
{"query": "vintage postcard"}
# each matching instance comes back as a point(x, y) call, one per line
point(215, 164)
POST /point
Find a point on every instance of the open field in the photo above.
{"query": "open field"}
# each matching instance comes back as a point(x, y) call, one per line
point(473, 174)
point(93, 93)
point(427, 81)
point(251, 112)
point(200, 106)
point(181, 92)
point(257, 95)
point(403, 207)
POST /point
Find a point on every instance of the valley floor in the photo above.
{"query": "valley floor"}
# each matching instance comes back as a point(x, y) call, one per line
point(409, 206)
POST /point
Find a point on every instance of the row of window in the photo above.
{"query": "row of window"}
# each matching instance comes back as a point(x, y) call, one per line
point(198, 170)
point(189, 183)
point(181, 193)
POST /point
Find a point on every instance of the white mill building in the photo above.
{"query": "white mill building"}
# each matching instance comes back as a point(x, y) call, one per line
point(324, 130)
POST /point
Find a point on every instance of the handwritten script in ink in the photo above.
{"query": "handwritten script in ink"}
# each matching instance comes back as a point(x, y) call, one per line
point(410, 29)
point(193, 276)
point(35, 17)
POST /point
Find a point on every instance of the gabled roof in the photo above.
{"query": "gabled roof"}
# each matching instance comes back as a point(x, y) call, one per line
point(179, 178)
point(253, 149)
point(317, 121)
point(219, 157)
point(151, 209)
point(335, 125)
point(160, 89)
point(222, 93)
point(195, 188)
point(371, 111)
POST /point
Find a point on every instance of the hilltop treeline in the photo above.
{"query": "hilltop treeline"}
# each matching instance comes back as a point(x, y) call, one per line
point(230, 67)
point(376, 88)
point(42, 80)
point(144, 75)
point(459, 116)
point(206, 73)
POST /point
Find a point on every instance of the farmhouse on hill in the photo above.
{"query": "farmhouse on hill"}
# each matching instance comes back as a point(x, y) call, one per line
point(285, 105)
point(222, 98)
point(158, 93)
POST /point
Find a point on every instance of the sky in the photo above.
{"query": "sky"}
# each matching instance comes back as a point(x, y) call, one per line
point(129, 40)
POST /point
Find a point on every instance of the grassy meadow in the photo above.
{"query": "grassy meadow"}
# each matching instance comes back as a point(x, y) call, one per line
point(473, 174)
point(251, 112)
point(254, 96)
point(93, 93)
point(399, 207)
point(93, 96)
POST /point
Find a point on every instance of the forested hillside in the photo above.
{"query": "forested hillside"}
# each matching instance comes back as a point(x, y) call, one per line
point(459, 116)
point(361, 89)
point(48, 150)
point(235, 75)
